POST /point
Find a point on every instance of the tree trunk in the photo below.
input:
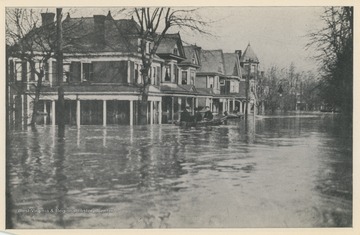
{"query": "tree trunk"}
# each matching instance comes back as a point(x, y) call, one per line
point(36, 100)
point(143, 105)
point(59, 64)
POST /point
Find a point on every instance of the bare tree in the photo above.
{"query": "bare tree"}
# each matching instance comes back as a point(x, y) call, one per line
point(29, 44)
point(154, 25)
point(34, 43)
point(334, 44)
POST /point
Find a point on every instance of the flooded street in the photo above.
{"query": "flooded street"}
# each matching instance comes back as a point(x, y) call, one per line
point(279, 171)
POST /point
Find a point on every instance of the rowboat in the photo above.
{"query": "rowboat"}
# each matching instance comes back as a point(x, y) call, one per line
point(214, 122)
point(234, 115)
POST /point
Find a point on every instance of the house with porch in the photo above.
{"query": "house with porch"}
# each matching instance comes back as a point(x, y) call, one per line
point(101, 78)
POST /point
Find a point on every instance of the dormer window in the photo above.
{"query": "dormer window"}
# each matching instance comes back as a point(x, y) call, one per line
point(176, 51)
point(219, 69)
point(193, 60)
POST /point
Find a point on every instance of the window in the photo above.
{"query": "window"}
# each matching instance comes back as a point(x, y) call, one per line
point(66, 77)
point(148, 47)
point(211, 82)
point(222, 82)
point(167, 73)
point(18, 71)
point(184, 77)
point(253, 68)
point(139, 44)
point(136, 72)
point(87, 71)
point(192, 78)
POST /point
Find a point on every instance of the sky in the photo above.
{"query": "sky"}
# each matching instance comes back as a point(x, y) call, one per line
point(276, 34)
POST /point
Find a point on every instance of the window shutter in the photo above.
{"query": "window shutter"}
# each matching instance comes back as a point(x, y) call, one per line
point(132, 72)
point(12, 78)
point(75, 71)
point(158, 80)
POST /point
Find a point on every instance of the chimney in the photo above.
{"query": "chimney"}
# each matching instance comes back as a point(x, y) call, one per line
point(47, 18)
point(239, 52)
point(99, 27)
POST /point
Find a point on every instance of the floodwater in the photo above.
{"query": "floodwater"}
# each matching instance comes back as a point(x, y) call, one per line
point(277, 171)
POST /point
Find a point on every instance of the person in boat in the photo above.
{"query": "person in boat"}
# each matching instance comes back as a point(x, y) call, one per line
point(185, 115)
point(198, 116)
point(208, 114)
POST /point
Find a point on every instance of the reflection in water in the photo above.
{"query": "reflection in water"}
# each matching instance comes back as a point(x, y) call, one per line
point(276, 171)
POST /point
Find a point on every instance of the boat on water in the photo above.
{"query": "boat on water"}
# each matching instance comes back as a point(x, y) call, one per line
point(234, 116)
point(213, 122)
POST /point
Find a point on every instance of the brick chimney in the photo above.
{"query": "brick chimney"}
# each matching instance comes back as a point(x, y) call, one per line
point(47, 18)
point(99, 27)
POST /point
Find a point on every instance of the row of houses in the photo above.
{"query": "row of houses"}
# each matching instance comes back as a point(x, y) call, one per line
point(102, 76)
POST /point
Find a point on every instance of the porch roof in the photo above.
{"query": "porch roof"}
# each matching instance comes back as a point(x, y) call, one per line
point(116, 88)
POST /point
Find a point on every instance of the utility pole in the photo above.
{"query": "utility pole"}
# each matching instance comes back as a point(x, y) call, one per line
point(59, 67)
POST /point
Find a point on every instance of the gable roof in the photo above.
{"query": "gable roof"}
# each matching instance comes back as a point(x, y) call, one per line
point(83, 34)
point(168, 43)
point(191, 52)
point(232, 64)
point(249, 54)
point(212, 61)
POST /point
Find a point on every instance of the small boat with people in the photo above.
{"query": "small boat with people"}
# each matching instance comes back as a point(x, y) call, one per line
point(213, 122)
point(199, 119)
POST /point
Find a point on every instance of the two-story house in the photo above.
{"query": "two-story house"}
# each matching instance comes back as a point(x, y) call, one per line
point(231, 87)
point(102, 78)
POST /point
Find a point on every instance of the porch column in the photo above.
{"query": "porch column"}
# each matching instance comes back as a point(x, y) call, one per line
point(78, 113)
point(131, 112)
point(193, 105)
point(233, 104)
point(104, 112)
point(172, 109)
point(160, 111)
point(228, 105)
point(28, 110)
point(50, 72)
point(179, 108)
point(45, 111)
point(151, 112)
point(240, 107)
point(53, 112)
point(196, 102)
point(22, 110)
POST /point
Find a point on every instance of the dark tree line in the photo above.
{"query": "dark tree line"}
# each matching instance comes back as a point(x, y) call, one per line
point(334, 44)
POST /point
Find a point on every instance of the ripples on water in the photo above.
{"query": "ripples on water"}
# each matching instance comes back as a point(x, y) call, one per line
point(276, 172)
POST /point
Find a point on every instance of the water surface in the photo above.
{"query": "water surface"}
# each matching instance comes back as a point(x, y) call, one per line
point(277, 171)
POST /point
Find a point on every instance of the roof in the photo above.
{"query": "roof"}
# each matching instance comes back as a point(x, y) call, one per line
point(169, 42)
point(84, 35)
point(191, 52)
point(232, 64)
point(116, 88)
point(172, 88)
point(205, 91)
point(249, 54)
point(212, 61)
